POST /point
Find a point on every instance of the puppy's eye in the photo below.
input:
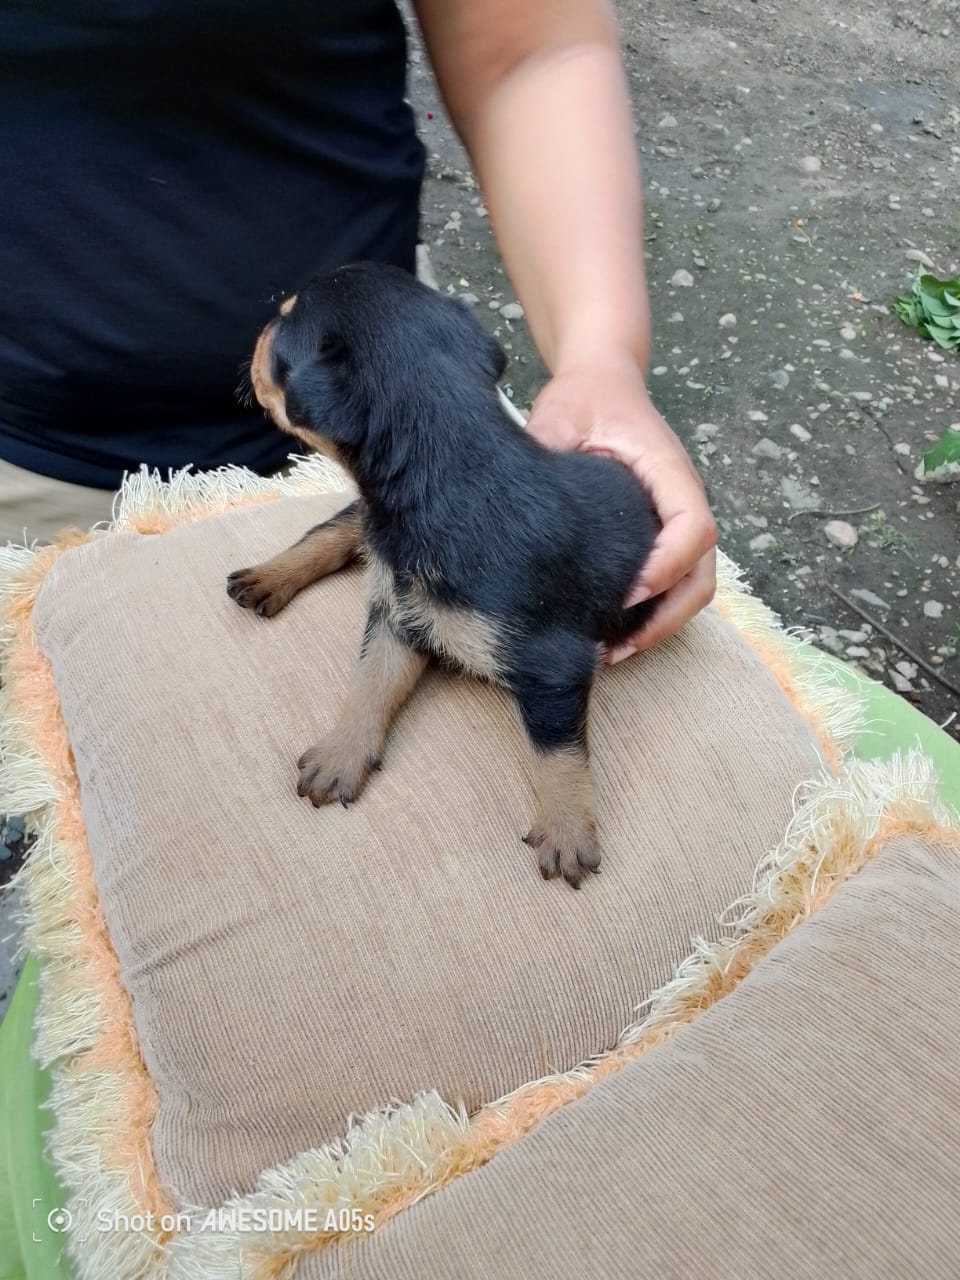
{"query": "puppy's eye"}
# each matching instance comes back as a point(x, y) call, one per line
point(331, 347)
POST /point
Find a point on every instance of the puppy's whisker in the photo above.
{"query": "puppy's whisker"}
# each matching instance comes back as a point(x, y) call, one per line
point(244, 389)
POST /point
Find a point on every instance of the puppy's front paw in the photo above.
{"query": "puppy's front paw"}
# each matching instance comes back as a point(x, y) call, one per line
point(262, 589)
point(335, 769)
point(567, 845)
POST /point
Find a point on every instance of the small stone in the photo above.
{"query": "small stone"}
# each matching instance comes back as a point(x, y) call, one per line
point(757, 415)
point(917, 255)
point(659, 371)
point(868, 597)
point(933, 609)
point(705, 431)
point(811, 164)
point(801, 433)
point(780, 378)
point(676, 318)
point(763, 542)
point(798, 495)
point(907, 669)
point(857, 651)
point(512, 311)
point(493, 304)
point(713, 205)
point(668, 122)
point(727, 321)
point(902, 448)
point(767, 449)
point(682, 279)
point(668, 153)
point(848, 333)
point(899, 682)
point(841, 534)
point(469, 299)
point(854, 637)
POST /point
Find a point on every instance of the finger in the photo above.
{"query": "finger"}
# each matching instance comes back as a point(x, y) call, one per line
point(556, 431)
point(677, 607)
point(684, 540)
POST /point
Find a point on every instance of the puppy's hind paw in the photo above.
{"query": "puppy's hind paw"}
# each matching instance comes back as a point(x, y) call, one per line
point(566, 846)
point(261, 589)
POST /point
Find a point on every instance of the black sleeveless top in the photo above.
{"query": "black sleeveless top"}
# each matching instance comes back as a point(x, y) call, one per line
point(167, 168)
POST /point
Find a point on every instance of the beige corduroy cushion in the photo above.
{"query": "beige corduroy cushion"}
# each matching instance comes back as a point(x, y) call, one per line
point(289, 967)
point(806, 1126)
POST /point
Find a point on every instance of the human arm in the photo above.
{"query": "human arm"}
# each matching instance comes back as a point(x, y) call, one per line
point(537, 93)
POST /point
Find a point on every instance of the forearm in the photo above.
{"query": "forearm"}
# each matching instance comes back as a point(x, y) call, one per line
point(553, 149)
point(538, 95)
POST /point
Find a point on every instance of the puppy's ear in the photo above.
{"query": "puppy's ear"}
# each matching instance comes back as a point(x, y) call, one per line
point(484, 348)
point(316, 401)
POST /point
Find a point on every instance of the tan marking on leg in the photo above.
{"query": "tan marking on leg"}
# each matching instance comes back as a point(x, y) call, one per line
point(269, 587)
point(565, 832)
point(337, 768)
point(379, 581)
point(468, 639)
point(287, 305)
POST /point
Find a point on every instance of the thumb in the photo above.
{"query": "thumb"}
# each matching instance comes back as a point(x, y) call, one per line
point(554, 428)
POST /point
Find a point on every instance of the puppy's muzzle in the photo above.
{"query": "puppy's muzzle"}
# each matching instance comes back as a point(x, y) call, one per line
point(268, 393)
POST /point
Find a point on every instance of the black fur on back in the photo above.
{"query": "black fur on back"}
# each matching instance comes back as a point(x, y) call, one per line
point(458, 497)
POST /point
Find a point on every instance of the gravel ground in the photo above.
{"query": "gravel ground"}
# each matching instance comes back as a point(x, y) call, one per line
point(796, 166)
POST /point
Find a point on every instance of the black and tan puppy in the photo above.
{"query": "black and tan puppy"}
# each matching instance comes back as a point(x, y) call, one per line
point(485, 550)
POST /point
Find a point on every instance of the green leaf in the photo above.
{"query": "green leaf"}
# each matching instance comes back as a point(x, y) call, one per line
point(932, 284)
point(933, 309)
point(945, 453)
point(909, 311)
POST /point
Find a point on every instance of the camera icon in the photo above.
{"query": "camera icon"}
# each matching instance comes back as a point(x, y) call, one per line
point(59, 1220)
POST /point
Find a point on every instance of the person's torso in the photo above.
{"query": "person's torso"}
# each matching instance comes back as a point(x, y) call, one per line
point(168, 169)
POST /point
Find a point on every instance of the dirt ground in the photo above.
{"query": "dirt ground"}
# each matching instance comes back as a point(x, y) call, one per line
point(796, 166)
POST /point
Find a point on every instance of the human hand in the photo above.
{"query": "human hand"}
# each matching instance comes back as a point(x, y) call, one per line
point(607, 409)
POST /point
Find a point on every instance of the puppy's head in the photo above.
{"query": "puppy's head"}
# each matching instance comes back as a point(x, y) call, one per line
point(363, 350)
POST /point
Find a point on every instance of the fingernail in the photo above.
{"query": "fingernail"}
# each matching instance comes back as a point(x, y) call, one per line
point(617, 655)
